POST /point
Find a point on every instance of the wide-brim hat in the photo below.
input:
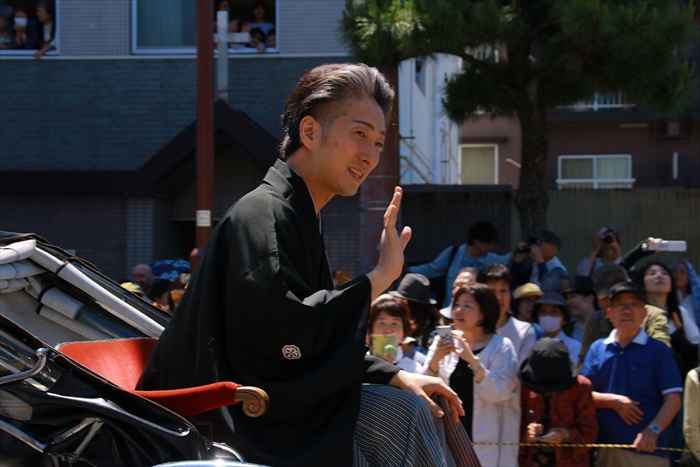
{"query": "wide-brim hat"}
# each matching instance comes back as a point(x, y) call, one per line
point(552, 298)
point(416, 288)
point(548, 368)
point(133, 287)
point(527, 290)
point(580, 284)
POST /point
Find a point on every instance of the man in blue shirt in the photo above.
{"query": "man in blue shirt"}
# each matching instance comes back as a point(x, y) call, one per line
point(476, 253)
point(636, 384)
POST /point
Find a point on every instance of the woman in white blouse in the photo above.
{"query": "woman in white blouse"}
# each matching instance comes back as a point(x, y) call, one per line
point(482, 368)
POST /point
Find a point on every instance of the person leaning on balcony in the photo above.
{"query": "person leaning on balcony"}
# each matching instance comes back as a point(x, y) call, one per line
point(46, 14)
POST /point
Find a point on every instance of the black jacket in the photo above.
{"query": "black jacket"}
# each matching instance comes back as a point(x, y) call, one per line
point(263, 289)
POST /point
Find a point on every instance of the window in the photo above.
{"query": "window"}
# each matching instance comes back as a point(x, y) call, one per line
point(479, 164)
point(595, 171)
point(160, 26)
point(28, 27)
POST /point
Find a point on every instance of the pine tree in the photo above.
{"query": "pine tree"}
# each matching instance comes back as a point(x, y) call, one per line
point(522, 58)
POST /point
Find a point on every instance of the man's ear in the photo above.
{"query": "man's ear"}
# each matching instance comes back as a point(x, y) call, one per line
point(309, 131)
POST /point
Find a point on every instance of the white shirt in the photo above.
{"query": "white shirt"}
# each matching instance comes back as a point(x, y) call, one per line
point(573, 345)
point(521, 334)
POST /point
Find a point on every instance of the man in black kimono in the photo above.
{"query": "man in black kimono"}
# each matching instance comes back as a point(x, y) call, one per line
point(261, 309)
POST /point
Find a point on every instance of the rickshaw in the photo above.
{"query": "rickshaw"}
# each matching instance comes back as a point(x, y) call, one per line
point(73, 344)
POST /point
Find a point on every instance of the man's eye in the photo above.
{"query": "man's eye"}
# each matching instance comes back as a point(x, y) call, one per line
point(360, 133)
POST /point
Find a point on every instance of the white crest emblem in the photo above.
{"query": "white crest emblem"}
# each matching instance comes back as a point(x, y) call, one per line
point(291, 352)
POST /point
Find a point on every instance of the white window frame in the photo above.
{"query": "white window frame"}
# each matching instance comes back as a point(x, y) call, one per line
point(595, 183)
point(192, 50)
point(495, 160)
point(56, 39)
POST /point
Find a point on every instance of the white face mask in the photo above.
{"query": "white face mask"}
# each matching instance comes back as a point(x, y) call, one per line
point(21, 22)
point(550, 323)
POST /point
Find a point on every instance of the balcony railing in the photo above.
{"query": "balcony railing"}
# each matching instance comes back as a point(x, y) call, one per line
point(601, 102)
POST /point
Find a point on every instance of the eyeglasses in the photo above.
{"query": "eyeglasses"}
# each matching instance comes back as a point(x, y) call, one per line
point(630, 306)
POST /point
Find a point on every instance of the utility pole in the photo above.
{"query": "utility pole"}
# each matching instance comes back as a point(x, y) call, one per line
point(205, 130)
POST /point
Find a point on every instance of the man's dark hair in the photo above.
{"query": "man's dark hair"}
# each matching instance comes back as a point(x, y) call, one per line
point(484, 231)
point(494, 272)
point(258, 31)
point(487, 301)
point(321, 90)
point(48, 6)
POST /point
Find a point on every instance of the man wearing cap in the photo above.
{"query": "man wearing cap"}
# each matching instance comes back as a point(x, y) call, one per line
point(547, 271)
point(636, 384)
point(557, 407)
point(581, 300)
point(598, 325)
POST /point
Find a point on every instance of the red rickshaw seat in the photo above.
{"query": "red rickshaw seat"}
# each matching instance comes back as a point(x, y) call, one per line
point(121, 361)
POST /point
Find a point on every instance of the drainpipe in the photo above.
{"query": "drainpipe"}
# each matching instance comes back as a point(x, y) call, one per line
point(437, 121)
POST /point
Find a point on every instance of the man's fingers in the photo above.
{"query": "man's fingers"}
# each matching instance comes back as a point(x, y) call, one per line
point(434, 408)
point(405, 237)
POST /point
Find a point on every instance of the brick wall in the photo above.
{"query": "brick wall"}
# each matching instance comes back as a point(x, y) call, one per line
point(116, 114)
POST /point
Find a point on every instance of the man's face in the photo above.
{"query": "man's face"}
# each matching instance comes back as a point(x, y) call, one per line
point(463, 278)
point(142, 276)
point(502, 290)
point(548, 250)
point(627, 312)
point(483, 247)
point(580, 305)
point(345, 151)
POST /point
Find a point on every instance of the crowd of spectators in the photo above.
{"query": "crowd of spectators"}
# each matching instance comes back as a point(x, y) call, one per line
point(27, 29)
point(165, 287)
point(600, 357)
point(262, 32)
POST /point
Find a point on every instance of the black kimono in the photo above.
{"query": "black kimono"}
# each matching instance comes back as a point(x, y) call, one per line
point(261, 311)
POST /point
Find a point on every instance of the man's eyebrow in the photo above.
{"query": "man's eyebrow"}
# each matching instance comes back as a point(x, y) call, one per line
point(362, 122)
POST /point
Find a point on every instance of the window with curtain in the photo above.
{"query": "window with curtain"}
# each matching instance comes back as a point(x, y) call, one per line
point(595, 171)
point(479, 164)
point(165, 25)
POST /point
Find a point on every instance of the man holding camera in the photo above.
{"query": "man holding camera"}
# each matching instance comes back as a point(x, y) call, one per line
point(536, 261)
point(606, 251)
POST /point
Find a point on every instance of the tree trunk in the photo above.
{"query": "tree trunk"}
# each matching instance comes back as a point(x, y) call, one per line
point(531, 199)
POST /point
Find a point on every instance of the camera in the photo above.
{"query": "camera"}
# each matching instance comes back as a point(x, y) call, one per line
point(608, 239)
point(527, 248)
point(523, 249)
